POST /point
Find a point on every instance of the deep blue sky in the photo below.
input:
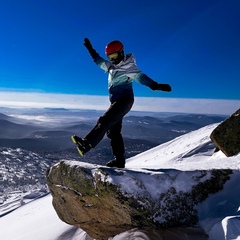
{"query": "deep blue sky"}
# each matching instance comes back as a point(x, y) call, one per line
point(194, 45)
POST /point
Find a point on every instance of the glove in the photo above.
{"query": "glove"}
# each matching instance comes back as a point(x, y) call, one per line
point(88, 44)
point(89, 47)
point(161, 87)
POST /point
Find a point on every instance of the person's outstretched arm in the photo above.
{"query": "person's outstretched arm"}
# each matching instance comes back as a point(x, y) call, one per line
point(90, 49)
point(101, 62)
point(147, 81)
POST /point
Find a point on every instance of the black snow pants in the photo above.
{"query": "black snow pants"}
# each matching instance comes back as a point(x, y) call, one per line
point(111, 124)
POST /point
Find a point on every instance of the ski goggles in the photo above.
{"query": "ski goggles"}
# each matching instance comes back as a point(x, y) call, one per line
point(113, 56)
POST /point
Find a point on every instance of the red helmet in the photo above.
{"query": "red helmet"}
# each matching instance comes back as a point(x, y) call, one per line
point(114, 46)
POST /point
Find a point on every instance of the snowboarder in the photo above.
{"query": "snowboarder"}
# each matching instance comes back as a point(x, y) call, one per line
point(122, 70)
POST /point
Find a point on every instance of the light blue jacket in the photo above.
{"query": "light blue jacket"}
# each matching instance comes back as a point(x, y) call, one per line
point(121, 77)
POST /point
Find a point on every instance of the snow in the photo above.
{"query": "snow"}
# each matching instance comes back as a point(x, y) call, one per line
point(192, 151)
point(219, 215)
point(37, 220)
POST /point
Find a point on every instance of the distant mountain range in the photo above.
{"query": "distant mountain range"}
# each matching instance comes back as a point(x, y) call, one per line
point(51, 129)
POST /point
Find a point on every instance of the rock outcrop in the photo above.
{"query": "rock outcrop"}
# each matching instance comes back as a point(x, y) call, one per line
point(226, 135)
point(105, 201)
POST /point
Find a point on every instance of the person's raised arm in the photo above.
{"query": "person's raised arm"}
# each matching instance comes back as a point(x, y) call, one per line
point(90, 49)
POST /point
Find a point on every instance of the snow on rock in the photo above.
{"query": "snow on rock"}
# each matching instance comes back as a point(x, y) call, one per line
point(92, 197)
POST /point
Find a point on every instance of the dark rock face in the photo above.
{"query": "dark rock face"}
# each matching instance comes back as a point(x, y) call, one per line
point(105, 202)
point(227, 135)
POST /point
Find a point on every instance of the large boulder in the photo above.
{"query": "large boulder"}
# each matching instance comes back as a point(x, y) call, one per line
point(226, 135)
point(105, 202)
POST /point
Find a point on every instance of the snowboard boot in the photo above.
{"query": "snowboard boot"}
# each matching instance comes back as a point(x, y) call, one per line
point(117, 162)
point(82, 144)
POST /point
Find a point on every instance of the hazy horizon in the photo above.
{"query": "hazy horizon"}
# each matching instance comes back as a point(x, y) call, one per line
point(95, 102)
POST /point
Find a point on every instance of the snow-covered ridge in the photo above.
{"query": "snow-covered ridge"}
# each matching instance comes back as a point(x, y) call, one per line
point(192, 151)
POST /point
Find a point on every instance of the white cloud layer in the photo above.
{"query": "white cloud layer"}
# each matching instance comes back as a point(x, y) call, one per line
point(70, 101)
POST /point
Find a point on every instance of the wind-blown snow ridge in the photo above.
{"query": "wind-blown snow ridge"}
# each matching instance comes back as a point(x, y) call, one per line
point(195, 148)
